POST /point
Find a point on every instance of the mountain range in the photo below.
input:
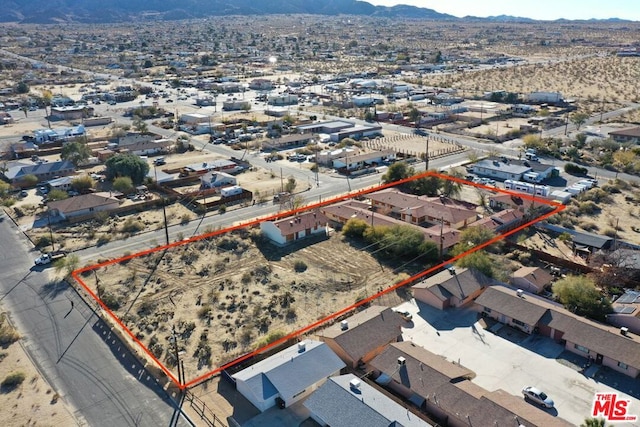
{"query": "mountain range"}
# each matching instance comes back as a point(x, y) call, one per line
point(113, 11)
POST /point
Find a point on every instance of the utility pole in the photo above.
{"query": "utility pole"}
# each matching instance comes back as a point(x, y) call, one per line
point(177, 354)
point(426, 155)
point(53, 247)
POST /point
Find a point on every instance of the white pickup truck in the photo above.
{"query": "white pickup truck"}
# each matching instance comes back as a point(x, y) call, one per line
point(50, 257)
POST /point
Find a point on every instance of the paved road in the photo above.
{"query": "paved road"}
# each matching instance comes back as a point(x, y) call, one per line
point(73, 348)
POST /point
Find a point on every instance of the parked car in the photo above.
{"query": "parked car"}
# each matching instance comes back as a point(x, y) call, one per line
point(537, 396)
point(159, 161)
point(50, 257)
point(281, 197)
point(24, 193)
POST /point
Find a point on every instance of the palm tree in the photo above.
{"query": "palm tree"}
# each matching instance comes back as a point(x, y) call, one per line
point(47, 96)
point(594, 422)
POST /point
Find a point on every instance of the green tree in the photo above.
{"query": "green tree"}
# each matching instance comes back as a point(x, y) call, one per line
point(471, 237)
point(82, 183)
point(397, 172)
point(4, 189)
point(22, 87)
point(579, 295)
point(140, 125)
point(76, 152)
point(57, 195)
point(30, 180)
point(123, 184)
point(47, 96)
point(451, 188)
point(578, 119)
point(426, 186)
point(414, 116)
point(479, 260)
point(290, 185)
point(127, 165)
point(595, 422)
point(355, 227)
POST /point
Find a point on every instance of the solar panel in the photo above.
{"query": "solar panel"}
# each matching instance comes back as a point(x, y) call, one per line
point(628, 297)
point(624, 310)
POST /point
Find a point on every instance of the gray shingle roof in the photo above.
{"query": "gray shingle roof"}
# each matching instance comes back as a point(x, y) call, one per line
point(291, 371)
point(368, 330)
point(337, 404)
point(509, 304)
point(462, 284)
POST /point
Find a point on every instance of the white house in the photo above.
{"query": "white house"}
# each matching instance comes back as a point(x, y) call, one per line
point(217, 179)
point(290, 375)
point(296, 227)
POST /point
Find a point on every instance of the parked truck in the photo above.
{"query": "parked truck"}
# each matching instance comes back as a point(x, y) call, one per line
point(50, 257)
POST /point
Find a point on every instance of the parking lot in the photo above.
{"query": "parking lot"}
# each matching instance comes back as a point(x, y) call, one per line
point(511, 360)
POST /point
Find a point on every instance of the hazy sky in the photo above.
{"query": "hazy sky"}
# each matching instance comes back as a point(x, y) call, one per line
point(536, 9)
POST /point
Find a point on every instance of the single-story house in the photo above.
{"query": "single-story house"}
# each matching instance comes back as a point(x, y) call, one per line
point(290, 229)
point(498, 169)
point(146, 147)
point(327, 127)
point(452, 287)
point(83, 204)
point(289, 375)
point(326, 157)
point(626, 311)
point(606, 345)
point(72, 112)
point(531, 279)
point(443, 389)
point(43, 136)
point(44, 171)
point(364, 335)
point(293, 140)
point(356, 132)
point(346, 400)
point(63, 183)
point(501, 221)
point(217, 179)
point(360, 161)
point(623, 136)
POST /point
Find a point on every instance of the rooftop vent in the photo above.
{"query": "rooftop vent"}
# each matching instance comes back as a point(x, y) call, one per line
point(344, 325)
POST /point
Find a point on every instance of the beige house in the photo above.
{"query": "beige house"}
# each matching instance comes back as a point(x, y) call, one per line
point(84, 204)
point(531, 279)
point(443, 389)
point(451, 288)
point(605, 345)
point(364, 335)
point(290, 229)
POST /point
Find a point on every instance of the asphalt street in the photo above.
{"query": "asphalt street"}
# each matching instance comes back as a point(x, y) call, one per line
point(76, 352)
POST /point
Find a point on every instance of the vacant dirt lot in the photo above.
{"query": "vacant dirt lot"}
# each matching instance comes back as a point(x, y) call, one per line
point(232, 293)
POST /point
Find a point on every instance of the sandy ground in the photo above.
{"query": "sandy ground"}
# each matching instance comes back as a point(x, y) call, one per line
point(34, 402)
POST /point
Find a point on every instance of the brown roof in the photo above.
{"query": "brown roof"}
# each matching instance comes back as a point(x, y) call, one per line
point(82, 202)
point(524, 410)
point(504, 300)
point(367, 330)
point(634, 132)
point(463, 283)
point(301, 222)
point(533, 310)
point(536, 275)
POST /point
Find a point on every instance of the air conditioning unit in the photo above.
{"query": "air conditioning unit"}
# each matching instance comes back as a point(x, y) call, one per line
point(520, 293)
point(354, 384)
point(624, 331)
point(302, 346)
point(344, 325)
point(401, 361)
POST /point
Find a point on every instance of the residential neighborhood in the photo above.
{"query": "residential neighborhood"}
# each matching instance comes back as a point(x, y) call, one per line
point(341, 214)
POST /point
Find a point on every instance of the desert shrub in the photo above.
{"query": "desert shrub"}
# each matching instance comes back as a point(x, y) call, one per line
point(103, 239)
point(610, 232)
point(43, 241)
point(204, 311)
point(185, 219)
point(13, 380)
point(246, 278)
point(132, 226)
point(589, 226)
point(8, 335)
point(588, 208)
point(574, 169)
point(299, 266)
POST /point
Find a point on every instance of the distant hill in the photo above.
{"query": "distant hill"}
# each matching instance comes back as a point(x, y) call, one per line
point(110, 11)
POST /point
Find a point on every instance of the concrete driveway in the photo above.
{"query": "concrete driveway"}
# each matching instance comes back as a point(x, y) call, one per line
point(511, 360)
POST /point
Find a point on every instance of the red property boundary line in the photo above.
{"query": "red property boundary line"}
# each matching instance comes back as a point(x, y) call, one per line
point(76, 274)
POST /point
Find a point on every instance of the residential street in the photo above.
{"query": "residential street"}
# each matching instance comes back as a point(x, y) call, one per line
point(81, 359)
